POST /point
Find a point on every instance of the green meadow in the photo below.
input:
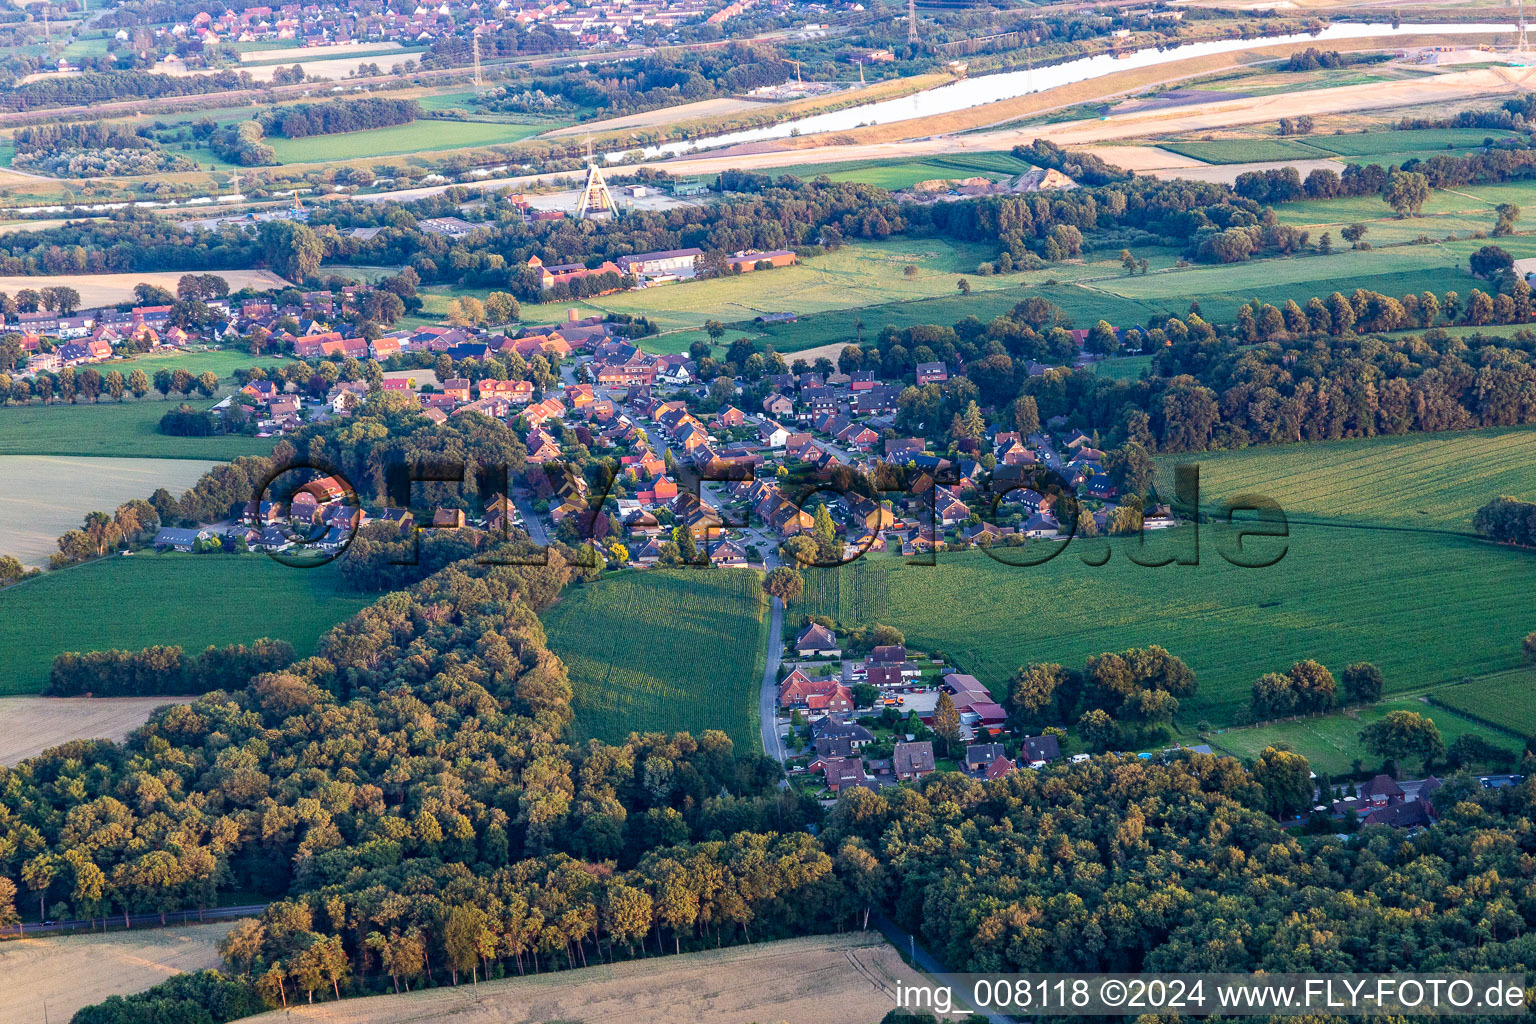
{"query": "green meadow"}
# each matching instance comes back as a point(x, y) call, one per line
point(128, 429)
point(131, 428)
point(401, 139)
point(147, 599)
point(1426, 608)
point(1331, 743)
point(900, 174)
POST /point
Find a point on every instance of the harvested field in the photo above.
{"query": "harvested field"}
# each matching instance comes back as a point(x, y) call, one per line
point(1226, 174)
point(337, 68)
point(34, 724)
point(44, 496)
point(304, 54)
point(48, 979)
point(110, 289)
point(810, 355)
point(840, 979)
point(1142, 158)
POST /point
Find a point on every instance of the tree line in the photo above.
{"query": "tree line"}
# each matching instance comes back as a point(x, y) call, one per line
point(1264, 380)
point(103, 86)
point(48, 138)
point(161, 669)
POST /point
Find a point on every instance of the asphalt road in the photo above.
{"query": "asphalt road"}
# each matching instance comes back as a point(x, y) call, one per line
point(531, 522)
point(148, 920)
point(767, 710)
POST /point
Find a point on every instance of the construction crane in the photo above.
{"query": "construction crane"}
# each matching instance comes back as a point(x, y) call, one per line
point(796, 63)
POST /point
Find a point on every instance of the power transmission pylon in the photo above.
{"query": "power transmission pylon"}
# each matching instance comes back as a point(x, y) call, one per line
point(475, 39)
point(911, 21)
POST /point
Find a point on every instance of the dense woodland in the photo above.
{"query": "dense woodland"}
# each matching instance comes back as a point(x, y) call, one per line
point(409, 801)
point(1132, 866)
point(45, 138)
point(103, 86)
point(239, 143)
point(1118, 701)
point(301, 120)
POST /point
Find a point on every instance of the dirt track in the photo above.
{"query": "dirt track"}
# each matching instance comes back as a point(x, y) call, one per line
point(840, 979)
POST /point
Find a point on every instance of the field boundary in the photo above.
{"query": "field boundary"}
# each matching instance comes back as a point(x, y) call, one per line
point(1473, 716)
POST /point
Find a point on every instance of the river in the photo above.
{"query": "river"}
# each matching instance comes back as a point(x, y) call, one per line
point(975, 92)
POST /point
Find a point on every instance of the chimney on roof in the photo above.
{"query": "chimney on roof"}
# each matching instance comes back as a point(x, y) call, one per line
point(571, 315)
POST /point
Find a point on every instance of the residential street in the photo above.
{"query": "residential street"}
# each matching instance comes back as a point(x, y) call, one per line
point(768, 711)
point(531, 522)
